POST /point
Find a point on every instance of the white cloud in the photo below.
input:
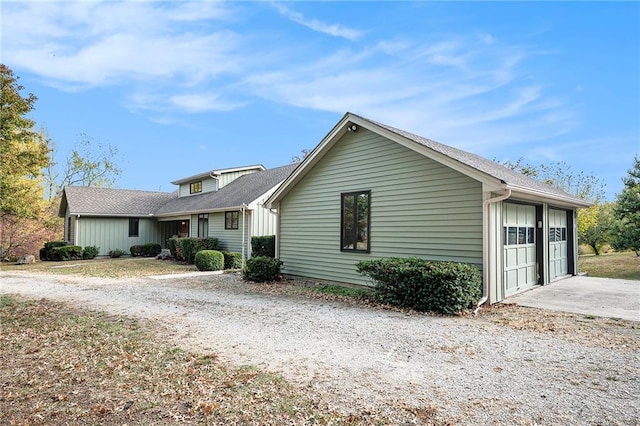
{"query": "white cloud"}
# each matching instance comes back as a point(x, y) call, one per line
point(335, 30)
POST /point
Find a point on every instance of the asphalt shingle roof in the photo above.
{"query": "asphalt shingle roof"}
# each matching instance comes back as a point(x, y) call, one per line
point(126, 202)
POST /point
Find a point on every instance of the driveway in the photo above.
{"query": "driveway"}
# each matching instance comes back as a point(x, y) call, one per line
point(602, 297)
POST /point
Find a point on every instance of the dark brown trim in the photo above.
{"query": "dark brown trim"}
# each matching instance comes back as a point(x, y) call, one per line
point(354, 225)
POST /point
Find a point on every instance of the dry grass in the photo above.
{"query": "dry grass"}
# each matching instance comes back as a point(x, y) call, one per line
point(106, 267)
point(611, 265)
point(60, 366)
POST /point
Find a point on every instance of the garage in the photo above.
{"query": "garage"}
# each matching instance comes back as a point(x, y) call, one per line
point(558, 246)
point(519, 224)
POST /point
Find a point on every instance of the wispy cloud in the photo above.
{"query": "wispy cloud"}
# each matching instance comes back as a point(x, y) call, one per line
point(335, 30)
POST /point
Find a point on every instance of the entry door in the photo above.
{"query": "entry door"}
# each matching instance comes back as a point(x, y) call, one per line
point(558, 260)
point(519, 247)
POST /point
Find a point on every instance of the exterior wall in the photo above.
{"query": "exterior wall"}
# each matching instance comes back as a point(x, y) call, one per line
point(418, 208)
point(263, 222)
point(69, 227)
point(208, 184)
point(229, 239)
point(110, 233)
point(226, 178)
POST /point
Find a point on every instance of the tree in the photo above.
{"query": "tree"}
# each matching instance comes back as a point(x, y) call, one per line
point(589, 187)
point(23, 151)
point(594, 225)
point(626, 232)
point(297, 159)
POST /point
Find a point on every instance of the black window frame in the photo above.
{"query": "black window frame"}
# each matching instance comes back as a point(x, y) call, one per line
point(232, 220)
point(203, 225)
point(195, 187)
point(134, 227)
point(355, 228)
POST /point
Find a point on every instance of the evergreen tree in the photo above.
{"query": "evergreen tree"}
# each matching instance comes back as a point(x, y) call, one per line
point(626, 231)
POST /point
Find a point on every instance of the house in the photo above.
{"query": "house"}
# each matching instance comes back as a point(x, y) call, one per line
point(369, 190)
point(226, 204)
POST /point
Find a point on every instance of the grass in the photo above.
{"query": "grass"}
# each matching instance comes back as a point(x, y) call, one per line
point(60, 365)
point(343, 291)
point(611, 265)
point(105, 267)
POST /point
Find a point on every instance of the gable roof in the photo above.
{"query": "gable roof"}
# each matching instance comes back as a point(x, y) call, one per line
point(94, 201)
point(486, 171)
point(242, 190)
point(91, 201)
point(216, 173)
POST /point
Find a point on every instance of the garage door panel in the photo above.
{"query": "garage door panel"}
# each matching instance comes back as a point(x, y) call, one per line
point(519, 247)
point(558, 247)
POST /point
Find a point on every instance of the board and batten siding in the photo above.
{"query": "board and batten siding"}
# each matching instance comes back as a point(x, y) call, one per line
point(226, 178)
point(110, 233)
point(419, 207)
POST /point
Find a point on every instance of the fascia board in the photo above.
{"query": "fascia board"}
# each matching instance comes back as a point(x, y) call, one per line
point(541, 196)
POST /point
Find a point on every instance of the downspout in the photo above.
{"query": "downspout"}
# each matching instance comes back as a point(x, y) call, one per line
point(486, 208)
point(243, 232)
point(75, 234)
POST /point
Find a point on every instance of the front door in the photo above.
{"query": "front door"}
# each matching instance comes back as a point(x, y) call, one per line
point(519, 247)
point(558, 259)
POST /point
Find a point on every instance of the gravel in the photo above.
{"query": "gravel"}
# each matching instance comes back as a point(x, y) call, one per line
point(354, 358)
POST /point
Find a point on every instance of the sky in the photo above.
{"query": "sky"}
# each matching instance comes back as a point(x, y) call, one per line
point(181, 88)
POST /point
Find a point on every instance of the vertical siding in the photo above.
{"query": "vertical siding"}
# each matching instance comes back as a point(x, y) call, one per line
point(227, 178)
point(208, 184)
point(229, 239)
point(113, 233)
point(263, 222)
point(418, 208)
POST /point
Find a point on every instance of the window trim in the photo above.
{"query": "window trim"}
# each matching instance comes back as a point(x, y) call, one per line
point(134, 227)
point(195, 187)
point(229, 220)
point(202, 219)
point(355, 194)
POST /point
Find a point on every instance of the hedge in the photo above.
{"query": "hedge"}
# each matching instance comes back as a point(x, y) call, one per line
point(90, 252)
point(151, 249)
point(68, 252)
point(47, 253)
point(209, 260)
point(442, 287)
point(190, 246)
point(136, 250)
point(263, 246)
point(262, 269)
point(232, 260)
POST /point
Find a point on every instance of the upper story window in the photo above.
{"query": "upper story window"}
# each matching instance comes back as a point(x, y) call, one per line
point(134, 226)
point(231, 220)
point(356, 221)
point(195, 187)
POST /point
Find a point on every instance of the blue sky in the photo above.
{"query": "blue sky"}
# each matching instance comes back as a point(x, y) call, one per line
point(185, 87)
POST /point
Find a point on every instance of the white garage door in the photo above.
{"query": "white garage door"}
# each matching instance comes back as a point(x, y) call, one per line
point(558, 261)
point(519, 247)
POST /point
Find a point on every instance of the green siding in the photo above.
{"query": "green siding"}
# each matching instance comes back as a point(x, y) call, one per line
point(418, 208)
point(229, 239)
point(113, 233)
point(227, 178)
point(208, 184)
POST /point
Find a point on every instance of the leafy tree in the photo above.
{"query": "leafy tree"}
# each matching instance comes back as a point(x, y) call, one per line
point(626, 232)
point(589, 187)
point(23, 151)
point(594, 225)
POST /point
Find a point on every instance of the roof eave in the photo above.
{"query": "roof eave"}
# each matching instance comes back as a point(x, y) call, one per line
point(539, 195)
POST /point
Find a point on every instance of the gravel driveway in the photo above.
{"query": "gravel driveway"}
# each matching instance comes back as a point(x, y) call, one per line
point(468, 370)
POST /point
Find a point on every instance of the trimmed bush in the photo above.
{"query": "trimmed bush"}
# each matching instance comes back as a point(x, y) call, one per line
point(232, 260)
point(175, 249)
point(90, 252)
point(115, 253)
point(47, 253)
point(263, 246)
point(262, 269)
point(209, 260)
point(442, 287)
point(151, 249)
point(68, 252)
point(136, 250)
point(190, 246)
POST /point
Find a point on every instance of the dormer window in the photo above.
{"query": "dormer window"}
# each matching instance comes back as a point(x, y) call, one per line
point(195, 187)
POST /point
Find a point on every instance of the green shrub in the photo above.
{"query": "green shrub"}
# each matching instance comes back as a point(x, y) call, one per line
point(151, 249)
point(190, 246)
point(115, 253)
point(232, 260)
point(47, 253)
point(209, 260)
point(442, 287)
point(175, 249)
point(263, 246)
point(136, 250)
point(68, 252)
point(90, 252)
point(261, 269)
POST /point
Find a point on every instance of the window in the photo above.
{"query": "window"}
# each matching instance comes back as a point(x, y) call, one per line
point(195, 187)
point(355, 219)
point(557, 234)
point(231, 220)
point(203, 225)
point(134, 226)
point(514, 235)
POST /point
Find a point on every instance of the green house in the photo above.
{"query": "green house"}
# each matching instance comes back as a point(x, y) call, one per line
point(369, 190)
point(226, 204)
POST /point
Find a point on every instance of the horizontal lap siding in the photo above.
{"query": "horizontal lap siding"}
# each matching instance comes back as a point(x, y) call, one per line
point(418, 208)
point(229, 239)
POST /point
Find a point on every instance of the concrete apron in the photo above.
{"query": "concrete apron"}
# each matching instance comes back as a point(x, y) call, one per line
point(602, 297)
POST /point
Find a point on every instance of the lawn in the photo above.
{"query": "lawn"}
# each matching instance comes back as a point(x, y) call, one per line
point(611, 265)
